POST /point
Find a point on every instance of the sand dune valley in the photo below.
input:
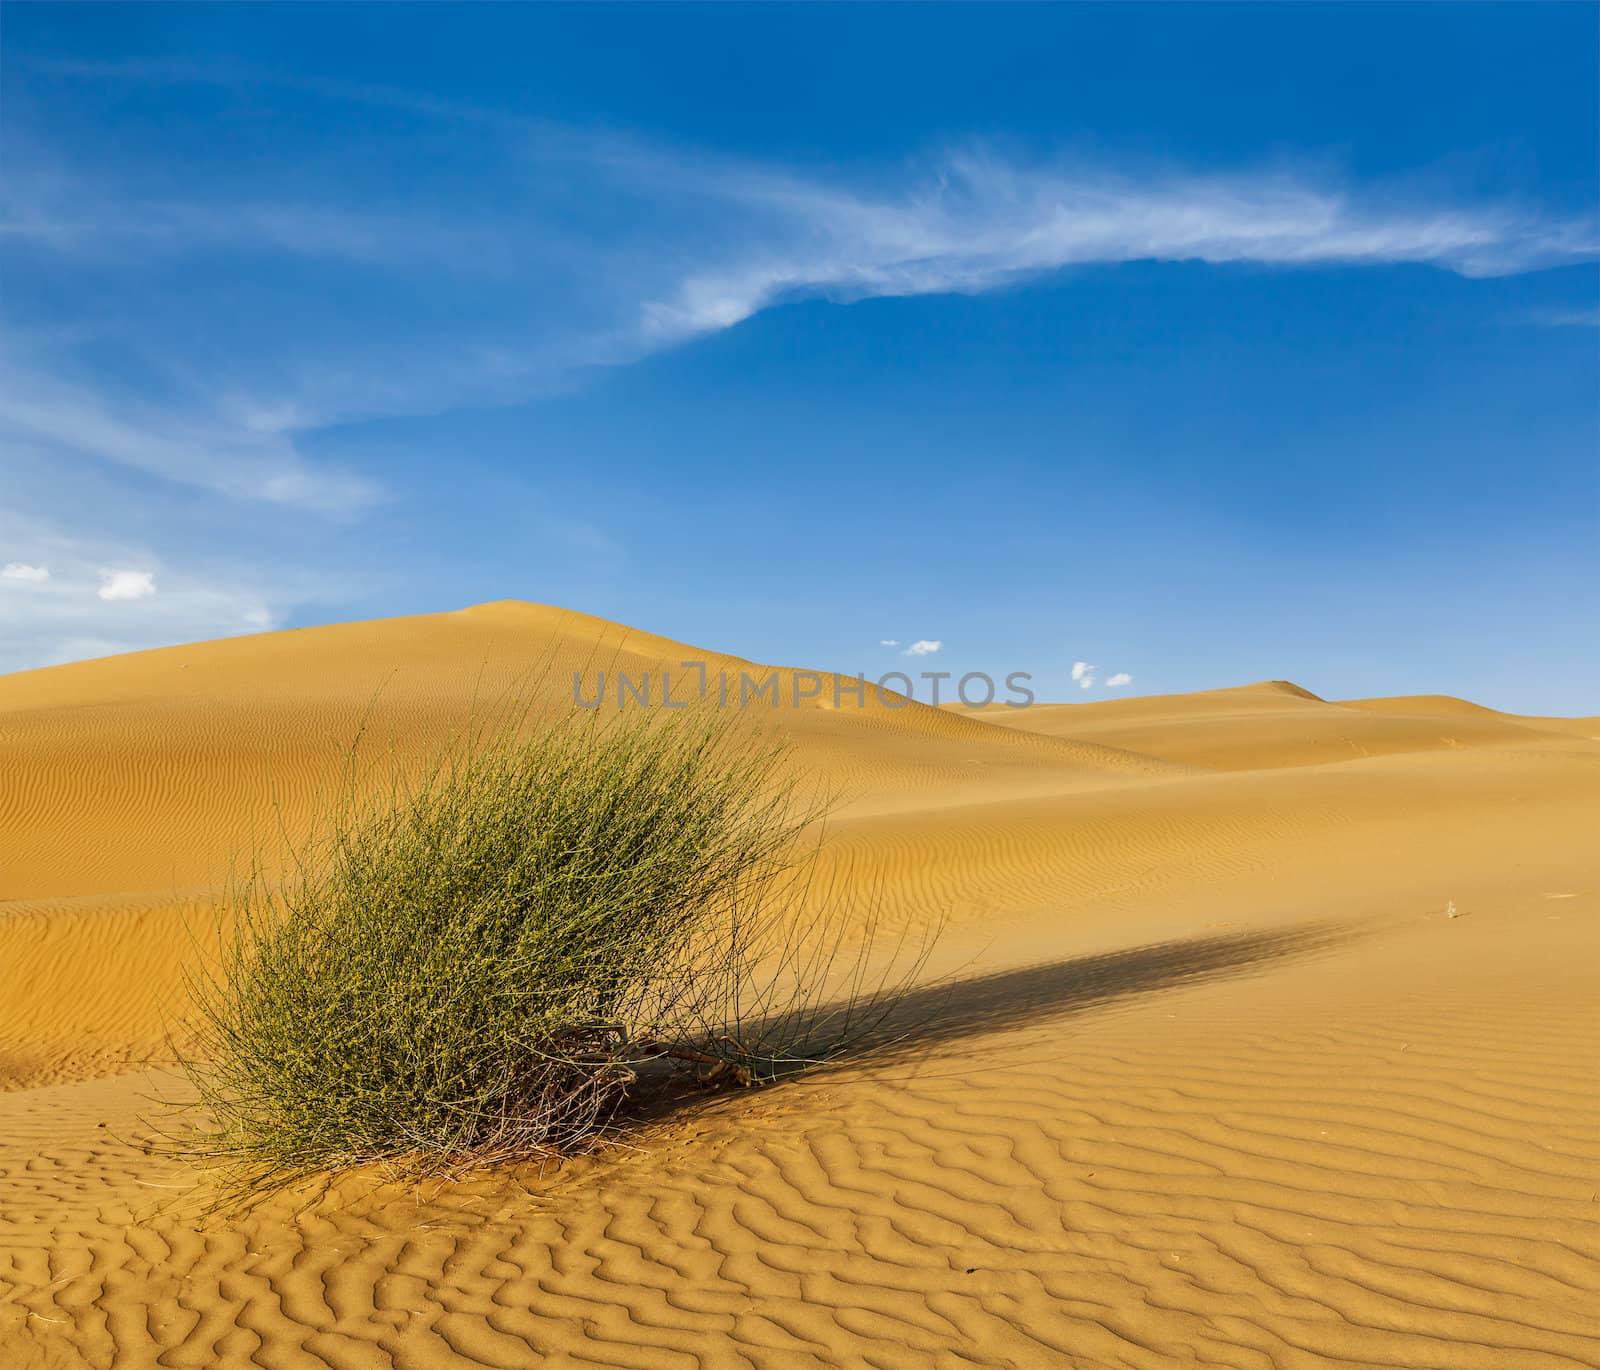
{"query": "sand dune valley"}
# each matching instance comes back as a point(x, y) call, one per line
point(1270, 1040)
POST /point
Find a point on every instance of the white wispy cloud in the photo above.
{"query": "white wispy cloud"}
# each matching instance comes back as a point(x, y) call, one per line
point(923, 647)
point(1567, 318)
point(889, 642)
point(189, 440)
point(706, 243)
point(709, 242)
point(21, 570)
point(1120, 678)
point(976, 222)
point(964, 218)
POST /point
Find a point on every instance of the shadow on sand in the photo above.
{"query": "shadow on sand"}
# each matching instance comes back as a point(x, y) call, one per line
point(921, 1020)
point(927, 1018)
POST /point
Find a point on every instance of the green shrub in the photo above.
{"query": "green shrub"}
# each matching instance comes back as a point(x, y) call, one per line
point(476, 966)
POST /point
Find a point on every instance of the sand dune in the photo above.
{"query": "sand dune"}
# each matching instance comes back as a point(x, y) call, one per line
point(1588, 727)
point(1219, 1082)
point(1276, 723)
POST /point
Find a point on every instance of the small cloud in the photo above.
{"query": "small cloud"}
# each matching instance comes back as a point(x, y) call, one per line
point(1121, 678)
point(20, 570)
point(259, 618)
point(923, 647)
point(889, 642)
point(1083, 673)
point(115, 585)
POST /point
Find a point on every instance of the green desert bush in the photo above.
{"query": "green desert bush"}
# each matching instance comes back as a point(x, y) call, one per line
point(478, 964)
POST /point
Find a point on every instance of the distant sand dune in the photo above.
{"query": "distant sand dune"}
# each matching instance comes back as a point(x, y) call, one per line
point(1217, 1082)
point(1277, 724)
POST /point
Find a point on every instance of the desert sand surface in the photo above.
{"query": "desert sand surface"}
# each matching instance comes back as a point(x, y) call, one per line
point(1270, 1040)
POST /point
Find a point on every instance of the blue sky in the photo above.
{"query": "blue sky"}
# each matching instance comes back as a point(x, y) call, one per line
point(1199, 343)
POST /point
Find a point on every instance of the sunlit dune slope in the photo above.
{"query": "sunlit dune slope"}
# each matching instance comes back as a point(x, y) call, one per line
point(216, 745)
point(1269, 1039)
point(1445, 705)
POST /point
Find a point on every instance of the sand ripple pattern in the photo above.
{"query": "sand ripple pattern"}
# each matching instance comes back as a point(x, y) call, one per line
point(1179, 1162)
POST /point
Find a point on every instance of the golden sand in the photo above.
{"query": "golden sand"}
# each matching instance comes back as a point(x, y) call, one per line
point(1221, 1082)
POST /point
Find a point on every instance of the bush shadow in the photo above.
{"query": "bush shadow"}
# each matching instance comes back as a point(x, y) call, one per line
point(925, 1019)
